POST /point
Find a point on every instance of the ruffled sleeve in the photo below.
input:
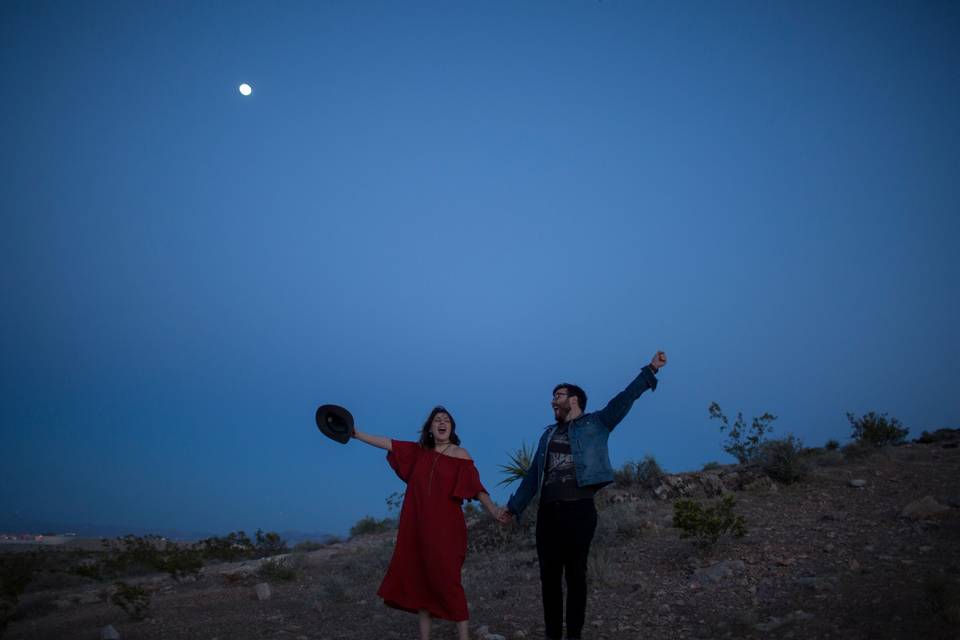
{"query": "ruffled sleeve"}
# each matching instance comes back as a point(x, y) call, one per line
point(403, 457)
point(467, 484)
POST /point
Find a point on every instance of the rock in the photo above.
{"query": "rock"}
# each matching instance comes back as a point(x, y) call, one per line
point(520, 634)
point(109, 633)
point(719, 571)
point(858, 483)
point(263, 591)
point(924, 508)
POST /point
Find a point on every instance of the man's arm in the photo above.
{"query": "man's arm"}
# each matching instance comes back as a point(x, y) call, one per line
point(529, 486)
point(618, 407)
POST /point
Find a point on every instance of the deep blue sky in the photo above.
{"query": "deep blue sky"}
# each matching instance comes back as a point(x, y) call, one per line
point(460, 203)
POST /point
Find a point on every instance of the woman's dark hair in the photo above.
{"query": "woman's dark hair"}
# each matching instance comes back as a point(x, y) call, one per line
point(426, 436)
point(574, 390)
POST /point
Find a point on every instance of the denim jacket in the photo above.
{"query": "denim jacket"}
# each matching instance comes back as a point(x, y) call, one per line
point(588, 443)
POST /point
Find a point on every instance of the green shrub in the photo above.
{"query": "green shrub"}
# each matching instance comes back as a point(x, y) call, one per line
point(712, 466)
point(707, 524)
point(876, 429)
point(307, 546)
point(831, 445)
point(740, 444)
point(368, 525)
point(783, 459)
point(134, 600)
point(518, 466)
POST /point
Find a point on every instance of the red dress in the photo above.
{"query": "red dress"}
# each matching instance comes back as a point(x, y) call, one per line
point(431, 546)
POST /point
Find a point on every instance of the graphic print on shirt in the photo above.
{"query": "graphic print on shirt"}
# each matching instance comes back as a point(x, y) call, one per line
point(560, 467)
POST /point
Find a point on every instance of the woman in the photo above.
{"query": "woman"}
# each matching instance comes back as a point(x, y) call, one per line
point(424, 573)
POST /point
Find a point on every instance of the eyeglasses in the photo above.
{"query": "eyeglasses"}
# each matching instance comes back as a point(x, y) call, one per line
point(560, 394)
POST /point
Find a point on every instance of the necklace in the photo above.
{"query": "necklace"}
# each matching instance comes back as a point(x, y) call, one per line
point(433, 467)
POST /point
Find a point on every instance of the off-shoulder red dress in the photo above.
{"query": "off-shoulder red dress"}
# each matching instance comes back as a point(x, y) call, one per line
point(431, 546)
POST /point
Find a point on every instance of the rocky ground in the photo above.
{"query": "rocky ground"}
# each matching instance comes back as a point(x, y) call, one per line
point(862, 548)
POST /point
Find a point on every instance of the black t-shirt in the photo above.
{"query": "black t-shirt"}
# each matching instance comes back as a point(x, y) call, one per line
point(560, 476)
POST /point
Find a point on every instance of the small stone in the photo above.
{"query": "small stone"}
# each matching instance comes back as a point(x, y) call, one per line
point(520, 634)
point(858, 483)
point(263, 591)
point(925, 548)
point(109, 633)
point(854, 565)
point(926, 507)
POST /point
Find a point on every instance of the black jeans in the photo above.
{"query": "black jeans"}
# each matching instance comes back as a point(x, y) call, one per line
point(564, 533)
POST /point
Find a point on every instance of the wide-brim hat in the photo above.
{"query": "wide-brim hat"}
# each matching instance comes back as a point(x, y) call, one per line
point(335, 422)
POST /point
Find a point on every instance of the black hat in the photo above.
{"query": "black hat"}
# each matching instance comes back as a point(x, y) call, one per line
point(335, 422)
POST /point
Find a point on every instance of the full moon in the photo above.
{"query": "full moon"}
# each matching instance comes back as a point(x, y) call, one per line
point(245, 89)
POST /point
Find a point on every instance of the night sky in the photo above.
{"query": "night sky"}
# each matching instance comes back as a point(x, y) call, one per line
point(457, 203)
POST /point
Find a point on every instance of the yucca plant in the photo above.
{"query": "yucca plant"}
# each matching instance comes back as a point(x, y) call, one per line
point(518, 466)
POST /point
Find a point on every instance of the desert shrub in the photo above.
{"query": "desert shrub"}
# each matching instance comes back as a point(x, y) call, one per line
point(134, 600)
point(712, 466)
point(229, 548)
point(368, 525)
point(649, 472)
point(876, 429)
point(783, 459)
point(286, 569)
point(395, 501)
point(471, 510)
point(645, 473)
point(180, 562)
point(831, 445)
point(707, 524)
point(741, 444)
point(269, 544)
point(308, 545)
point(517, 467)
point(626, 475)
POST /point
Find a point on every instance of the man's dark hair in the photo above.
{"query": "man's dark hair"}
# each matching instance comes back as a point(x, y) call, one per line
point(573, 390)
point(426, 436)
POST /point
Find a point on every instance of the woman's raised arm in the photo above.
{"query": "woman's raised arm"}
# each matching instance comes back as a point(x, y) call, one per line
point(376, 441)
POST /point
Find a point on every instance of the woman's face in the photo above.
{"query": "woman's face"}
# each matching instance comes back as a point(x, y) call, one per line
point(441, 427)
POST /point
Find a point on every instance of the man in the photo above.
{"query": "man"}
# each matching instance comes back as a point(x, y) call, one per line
point(571, 464)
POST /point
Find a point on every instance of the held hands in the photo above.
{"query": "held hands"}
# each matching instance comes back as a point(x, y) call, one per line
point(501, 515)
point(658, 361)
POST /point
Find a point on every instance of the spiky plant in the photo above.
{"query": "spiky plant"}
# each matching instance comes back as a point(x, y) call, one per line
point(518, 466)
